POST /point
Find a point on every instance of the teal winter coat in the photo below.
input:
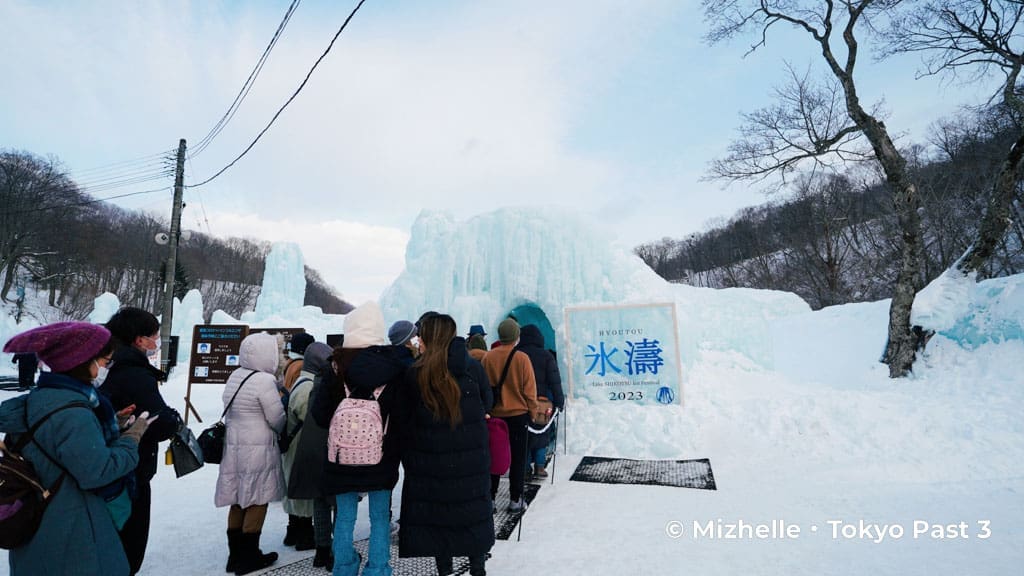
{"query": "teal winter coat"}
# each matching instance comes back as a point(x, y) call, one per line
point(77, 535)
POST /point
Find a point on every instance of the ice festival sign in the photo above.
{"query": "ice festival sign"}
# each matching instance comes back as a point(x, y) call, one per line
point(626, 353)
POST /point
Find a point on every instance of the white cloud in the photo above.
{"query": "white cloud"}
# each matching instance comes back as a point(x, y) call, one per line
point(360, 260)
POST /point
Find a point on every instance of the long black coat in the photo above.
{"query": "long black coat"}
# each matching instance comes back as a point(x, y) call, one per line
point(133, 380)
point(545, 367)
point(367, 369)
point(446, 497)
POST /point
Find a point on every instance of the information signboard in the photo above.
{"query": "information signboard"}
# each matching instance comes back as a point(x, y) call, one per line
point(619, 354)
point(214, 354)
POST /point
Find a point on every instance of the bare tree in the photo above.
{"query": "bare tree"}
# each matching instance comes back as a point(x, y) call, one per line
point(976, 38)
point(806, 124)
point(34, 194)
point(819, 132)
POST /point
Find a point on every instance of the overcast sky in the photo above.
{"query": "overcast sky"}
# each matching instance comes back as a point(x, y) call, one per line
point(612, 107)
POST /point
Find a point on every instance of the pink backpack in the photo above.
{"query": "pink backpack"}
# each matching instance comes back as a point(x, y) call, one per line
point(501, 452)
point(356, 433)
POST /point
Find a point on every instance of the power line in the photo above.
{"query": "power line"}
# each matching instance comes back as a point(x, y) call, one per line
point(82, 203)
point(202, 205)
point(125, 180)
point(289, 101)
point(249, 83)
point(111, 173)
point(115, 166)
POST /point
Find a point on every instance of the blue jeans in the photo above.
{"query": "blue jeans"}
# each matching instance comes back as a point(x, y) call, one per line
point(346, 561)
point(540, 456)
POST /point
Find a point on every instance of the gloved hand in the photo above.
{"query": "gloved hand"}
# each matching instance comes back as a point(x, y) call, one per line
point(124, 417)
point(138, 428)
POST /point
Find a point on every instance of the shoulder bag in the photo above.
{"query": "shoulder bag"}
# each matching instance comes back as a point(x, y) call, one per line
point(211, 440)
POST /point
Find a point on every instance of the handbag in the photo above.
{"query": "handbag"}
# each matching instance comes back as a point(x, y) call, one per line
point(186, 454)
point(501, 451)
point(211, 440)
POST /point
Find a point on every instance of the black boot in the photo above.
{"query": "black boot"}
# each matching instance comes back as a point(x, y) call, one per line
point(253, 558)
point(234, 548)
point(304, 537)
point(324, 558)
point(291, 533)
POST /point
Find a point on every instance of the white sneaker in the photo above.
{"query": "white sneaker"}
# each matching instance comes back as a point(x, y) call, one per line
point(518, 505)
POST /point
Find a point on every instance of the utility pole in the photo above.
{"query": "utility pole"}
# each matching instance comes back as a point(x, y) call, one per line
point(172, 259)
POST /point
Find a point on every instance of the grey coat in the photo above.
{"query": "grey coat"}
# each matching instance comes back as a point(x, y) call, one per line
point(77, 535)
point(311, 445)
point(250, 472)
point(298, 404)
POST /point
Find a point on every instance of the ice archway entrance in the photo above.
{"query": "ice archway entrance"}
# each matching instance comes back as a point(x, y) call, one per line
point(532, 314)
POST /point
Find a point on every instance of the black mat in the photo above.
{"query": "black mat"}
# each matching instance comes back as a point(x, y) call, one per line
point(679, 473)
point(504, 521)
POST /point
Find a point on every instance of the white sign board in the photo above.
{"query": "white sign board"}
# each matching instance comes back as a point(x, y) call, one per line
point(624, 354)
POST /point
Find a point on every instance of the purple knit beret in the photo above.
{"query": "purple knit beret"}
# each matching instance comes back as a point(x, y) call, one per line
point(63, 345)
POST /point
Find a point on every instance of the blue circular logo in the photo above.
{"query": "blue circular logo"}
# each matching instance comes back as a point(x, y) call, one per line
point(665, 395)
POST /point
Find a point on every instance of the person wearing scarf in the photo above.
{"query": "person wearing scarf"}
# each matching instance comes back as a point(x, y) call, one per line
point(79, 442)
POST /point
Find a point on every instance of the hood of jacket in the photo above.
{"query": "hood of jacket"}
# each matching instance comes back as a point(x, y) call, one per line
point(318, 356)
point(259, 351)
point(373, 367)
point(530, 335)
point(12, 415)
point(364, 327)
point(458, 356)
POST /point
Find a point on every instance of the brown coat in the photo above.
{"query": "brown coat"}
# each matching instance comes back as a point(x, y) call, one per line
point(519, 392)
point(291, 373)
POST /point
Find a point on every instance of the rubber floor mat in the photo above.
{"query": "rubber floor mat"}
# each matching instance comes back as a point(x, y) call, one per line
point(679, 473)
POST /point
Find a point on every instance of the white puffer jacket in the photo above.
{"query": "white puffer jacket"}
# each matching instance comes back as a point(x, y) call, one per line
point(250, 472)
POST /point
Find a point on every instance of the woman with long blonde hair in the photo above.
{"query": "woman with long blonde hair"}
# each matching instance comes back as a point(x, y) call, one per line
point(446, 502)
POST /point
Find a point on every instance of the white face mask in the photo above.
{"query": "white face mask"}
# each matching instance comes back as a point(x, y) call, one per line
point(101, 375)
point(156, 350)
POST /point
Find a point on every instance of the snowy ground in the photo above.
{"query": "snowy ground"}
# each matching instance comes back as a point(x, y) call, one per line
point(824, 436)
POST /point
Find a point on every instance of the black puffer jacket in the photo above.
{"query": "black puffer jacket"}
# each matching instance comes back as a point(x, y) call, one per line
point(367, 368)
point(446, 501)
point(545, 367)
point(133, 380)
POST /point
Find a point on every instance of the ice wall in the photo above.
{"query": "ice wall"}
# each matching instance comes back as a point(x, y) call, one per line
point(187, 313)
point(481, 269)
point(284, 280)
point(103, 307)
point(994, 313)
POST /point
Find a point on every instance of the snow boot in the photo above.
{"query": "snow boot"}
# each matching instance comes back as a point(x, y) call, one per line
point(291, 533)
point(234, 548)
point(324, 558)
point(253, 558)
point(540, 472)
point(304, 538)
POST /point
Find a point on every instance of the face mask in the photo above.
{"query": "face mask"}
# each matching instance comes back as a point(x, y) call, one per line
point(154, 351)
point(101, 375)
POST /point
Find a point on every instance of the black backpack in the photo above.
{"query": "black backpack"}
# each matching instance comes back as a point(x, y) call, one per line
point(23, 498)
